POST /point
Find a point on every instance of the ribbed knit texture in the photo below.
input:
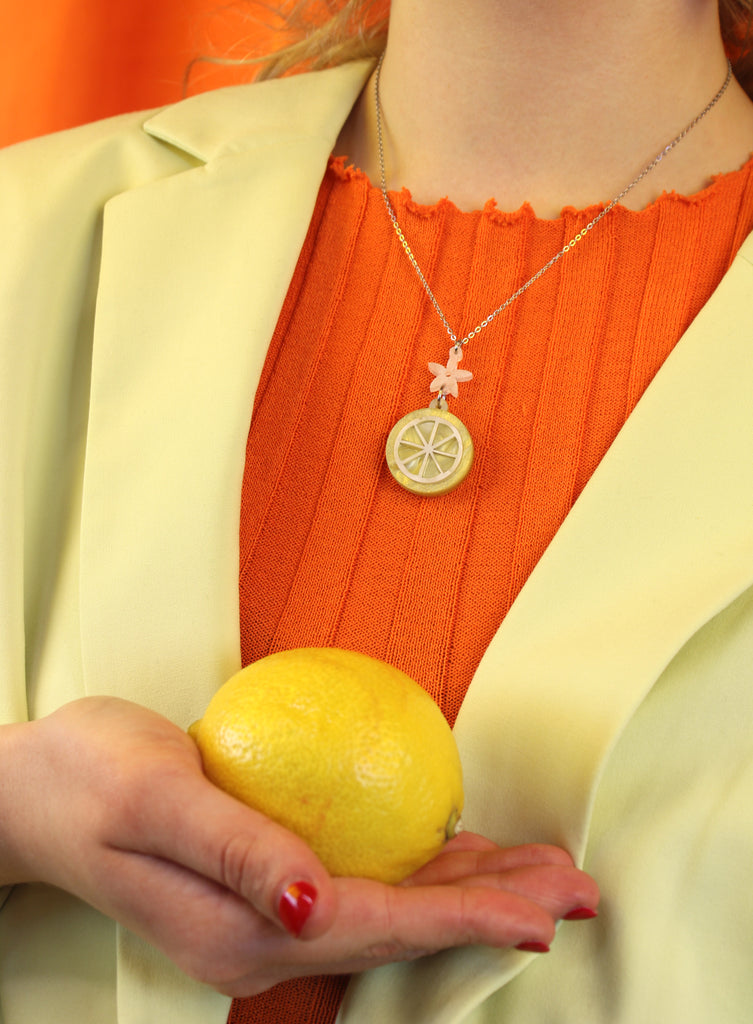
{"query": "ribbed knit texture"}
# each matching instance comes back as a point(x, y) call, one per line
point(333, 551)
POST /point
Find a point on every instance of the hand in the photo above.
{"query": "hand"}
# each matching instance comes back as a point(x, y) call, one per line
point(107, 800)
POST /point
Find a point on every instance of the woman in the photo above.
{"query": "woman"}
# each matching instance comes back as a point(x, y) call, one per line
point(164, 272)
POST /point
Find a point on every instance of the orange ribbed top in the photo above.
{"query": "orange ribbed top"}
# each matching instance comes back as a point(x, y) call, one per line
point(333, 551)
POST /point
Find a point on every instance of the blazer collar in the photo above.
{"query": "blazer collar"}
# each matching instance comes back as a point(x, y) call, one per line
point(216, 124)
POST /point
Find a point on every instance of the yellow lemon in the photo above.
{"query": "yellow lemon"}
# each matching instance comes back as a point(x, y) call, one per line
point(344, 750)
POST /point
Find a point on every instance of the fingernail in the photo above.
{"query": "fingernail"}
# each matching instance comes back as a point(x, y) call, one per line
point(580, 914)
point(533, 947)
point(295, 906)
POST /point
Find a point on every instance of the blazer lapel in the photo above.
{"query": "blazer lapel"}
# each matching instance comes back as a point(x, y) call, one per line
point(194, 272)
point(659, 542)
point(195, 268)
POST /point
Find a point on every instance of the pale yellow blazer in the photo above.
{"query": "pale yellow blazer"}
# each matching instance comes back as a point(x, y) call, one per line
point(143, 264)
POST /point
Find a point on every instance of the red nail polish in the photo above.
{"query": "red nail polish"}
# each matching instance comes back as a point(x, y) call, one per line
point(533, 947)
point(580, 914)
point(295, 906)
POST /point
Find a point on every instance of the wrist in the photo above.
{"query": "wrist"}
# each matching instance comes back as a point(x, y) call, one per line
point(16, 775)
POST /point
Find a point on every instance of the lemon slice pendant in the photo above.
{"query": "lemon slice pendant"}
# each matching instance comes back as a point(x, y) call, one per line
point(429, 451)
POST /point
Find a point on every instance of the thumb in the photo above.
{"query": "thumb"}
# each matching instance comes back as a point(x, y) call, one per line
point(197, 825)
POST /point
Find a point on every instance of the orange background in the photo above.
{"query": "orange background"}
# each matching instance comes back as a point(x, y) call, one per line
point(64, 62)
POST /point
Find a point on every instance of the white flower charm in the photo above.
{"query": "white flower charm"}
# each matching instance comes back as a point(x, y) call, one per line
point(446, 378)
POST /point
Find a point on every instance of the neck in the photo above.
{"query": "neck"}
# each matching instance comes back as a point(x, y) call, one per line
point(554, 102)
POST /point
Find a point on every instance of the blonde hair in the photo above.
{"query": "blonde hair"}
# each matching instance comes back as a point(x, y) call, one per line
point(328, 33)
point(301, 35)
point(315, 34)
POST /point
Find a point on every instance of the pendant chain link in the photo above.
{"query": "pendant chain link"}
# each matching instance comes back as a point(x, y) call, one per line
point(563, 251)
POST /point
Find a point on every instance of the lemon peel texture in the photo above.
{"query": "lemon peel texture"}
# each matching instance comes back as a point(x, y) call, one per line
point(343, 749)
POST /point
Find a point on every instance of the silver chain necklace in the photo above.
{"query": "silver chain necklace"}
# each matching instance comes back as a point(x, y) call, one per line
point(430, 451)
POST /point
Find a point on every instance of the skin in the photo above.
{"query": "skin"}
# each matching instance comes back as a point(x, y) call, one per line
point(553, 102)
point(107, 800)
